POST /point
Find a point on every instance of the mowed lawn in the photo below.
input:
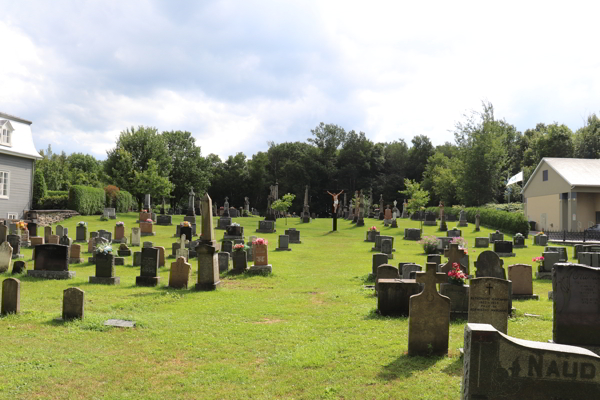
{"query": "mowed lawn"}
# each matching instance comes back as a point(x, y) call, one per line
point(309, 331)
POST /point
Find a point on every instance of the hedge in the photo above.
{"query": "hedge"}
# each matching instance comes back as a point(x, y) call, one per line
point(124, 201)
point(60, 202)
point(57, 193)
point(86, 200)
point(508, 222)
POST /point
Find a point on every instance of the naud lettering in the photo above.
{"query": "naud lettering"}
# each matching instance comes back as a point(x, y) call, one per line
point(564, 369)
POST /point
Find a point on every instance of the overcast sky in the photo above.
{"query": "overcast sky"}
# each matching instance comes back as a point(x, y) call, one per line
point(240, 73)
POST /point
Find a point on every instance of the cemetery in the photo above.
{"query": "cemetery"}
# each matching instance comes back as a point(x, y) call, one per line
point(367, 318)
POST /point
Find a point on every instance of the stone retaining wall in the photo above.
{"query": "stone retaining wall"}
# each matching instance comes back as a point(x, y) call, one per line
point(48, 217)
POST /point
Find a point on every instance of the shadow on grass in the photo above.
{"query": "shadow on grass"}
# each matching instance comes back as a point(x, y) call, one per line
point(405, 365)
point(373, 314)
point(329, 233)
point(455, 368)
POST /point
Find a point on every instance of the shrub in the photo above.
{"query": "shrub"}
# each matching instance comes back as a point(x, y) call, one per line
point(111, 195)
point(86, 200)
point(57, 193)
point(512, 222)
point(124, 201)
point(429, 244)
point(39, 188)
point(60, 202)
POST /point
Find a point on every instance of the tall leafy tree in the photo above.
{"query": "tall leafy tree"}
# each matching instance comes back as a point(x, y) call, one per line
point(587, 139)
point(151, 181)
point(439, 178)
point(188, 167)
point(481, 157)
point(359, 160)
point(418, 154)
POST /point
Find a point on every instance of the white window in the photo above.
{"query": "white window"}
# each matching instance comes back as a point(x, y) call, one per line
point(12, 215)
point(5, 135)
point(4, 184)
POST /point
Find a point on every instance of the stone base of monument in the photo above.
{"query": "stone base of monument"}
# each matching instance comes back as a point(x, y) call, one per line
point(525, 297)
point(506, 254)
point(296, 242)
point(207, 286)
point(283, 249)
point(147, 280)
point(519, 246)
point(266, 230)
point(148, 233)
point(430, 223)
point(17, 256)
point(260, 269)
point(111, 280)
point(543, 275)
point(76, 260)
point(122, 240)
point(51, 274)
point(463, 223)
point(119, 261)
point(305, 219)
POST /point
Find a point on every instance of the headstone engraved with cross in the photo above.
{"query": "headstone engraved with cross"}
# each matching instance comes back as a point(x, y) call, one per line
point(489, 302)
point(429, 319)
point(182, 251)
point(454, 254)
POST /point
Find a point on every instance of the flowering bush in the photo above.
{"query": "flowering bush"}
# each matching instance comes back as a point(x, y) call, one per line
point(82, 223)
point(149, 220)
point(185, 223)
point(120, 223)
point(429, 244)
point(373, 229)
point(539, 260)
point(456, 276)
point(239, 247)
point(260, 242)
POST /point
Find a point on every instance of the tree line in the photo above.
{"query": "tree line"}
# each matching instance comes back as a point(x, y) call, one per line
point(470, 170)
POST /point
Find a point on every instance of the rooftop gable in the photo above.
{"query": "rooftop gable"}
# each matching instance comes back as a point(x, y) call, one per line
point(21, 138)
point(575, 171)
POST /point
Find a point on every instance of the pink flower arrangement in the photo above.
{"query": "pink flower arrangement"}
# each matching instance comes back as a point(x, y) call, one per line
point(260, 242)
point(185, 223)
point(149, 220)
point(373, 229)
point(238, 247)
point(120, 223)
point(456, 276)
point(539, 260)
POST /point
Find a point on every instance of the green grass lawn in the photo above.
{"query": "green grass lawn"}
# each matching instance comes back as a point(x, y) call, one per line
point(309, 331)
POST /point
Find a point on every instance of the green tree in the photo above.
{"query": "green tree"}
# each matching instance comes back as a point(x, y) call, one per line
point(481, 157)
point(439, 178)
point(359, 160)
point(283, 204)
point(39, 187)
point(418, 155)
point(587, 139)
point(417, 197)
point(188, 167)
point(151, 181)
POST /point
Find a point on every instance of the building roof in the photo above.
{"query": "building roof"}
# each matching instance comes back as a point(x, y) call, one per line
point(575, 171)
point(21, 138)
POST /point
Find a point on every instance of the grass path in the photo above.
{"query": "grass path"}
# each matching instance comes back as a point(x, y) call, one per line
point(309, 331)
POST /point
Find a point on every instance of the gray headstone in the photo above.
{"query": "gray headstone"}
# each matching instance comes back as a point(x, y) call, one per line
point(408, 268)
point(378, 259)
point(489, 302)
point(11, 296)
point(6, 253)
point(223, 261)
point(489, 265)
point(550, 258)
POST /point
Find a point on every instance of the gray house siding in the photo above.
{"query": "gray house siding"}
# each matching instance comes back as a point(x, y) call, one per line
point(20, 185)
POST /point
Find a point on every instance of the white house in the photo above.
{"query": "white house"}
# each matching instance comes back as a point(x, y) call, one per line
point(17, 165)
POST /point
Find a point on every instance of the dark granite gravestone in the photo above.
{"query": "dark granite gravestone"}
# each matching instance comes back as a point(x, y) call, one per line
point(15, 242)
point(452, 233)
point(434, 258)
point(540, 240)
point(408, 268)
point(284, 243)
point(105, 234)
point(266, 227)
point(164, 220)
point(378, 259)
point(429, 319)
point(564, 255)
point(227, 246)
point(11, 296)
point(576, 294)
point(489, 265)
point(443, 243)
point(149, 268)
point(52, 262)
point(489, 302)
point(32, 228)
point(73, 303)
point(105, 270)
point(519, 242)
point(240, 261)
point(19, 267)
point(589, 259)
point(385, 271)
point(545, 270)
point(81, 233)
point(503, 248)
point(223, 261)
point(387, 247)
point(393, 295)
point(234, 232)
point(294, 235)
point(496, 236)
point(430, 219)
point(499, 367)
point(412, 234)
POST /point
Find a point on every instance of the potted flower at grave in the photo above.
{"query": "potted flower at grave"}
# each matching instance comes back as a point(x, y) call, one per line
point(82, 223)
point(21, 226)
point(185, 223)
point(235, 230)
point(540, 261)
point(239, 256)
point(105, 260)
point(456, 276)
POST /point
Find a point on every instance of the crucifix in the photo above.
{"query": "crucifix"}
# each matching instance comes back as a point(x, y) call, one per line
point(334, 206)
point(489, 287)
